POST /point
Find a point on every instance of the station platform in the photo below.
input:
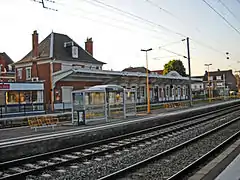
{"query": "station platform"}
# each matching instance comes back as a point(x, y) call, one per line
point(23, 141)
point(24, 132)
point(16, 133)
point(232, 171)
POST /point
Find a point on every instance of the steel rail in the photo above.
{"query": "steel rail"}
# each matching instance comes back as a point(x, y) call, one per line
point(124, 171)
point(182, 173)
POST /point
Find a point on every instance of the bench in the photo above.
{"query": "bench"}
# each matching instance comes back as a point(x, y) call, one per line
point(42, 122)
point(175, 105)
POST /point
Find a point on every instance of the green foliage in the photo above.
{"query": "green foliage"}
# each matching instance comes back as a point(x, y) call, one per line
point(175, 65)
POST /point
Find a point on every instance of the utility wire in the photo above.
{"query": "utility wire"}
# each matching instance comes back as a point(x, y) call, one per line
point(137, 17)
point(172, 52)
point(162, 9)
point(207, 46)
point(221, 16)
point(142, 19)
point(171, 43)
point(229, 10)
point(168, 12)
point(119, 20)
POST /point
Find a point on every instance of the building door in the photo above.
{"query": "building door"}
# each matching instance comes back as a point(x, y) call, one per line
point(66, 94)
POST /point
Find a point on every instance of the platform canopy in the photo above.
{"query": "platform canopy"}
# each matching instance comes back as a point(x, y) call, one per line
point(117, 77)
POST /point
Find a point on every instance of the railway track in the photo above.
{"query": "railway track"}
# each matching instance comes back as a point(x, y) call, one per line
point(146, 168)
point(21, 168)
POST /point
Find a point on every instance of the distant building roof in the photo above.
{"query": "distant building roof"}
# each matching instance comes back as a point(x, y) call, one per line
point(7, 59)
point(158, 72)
point(200, 77)
point(136, 69)
point(59, 51)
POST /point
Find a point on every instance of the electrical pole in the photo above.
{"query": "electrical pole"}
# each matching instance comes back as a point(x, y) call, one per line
point(147, 81)
point(209, 90)
point(189, 72)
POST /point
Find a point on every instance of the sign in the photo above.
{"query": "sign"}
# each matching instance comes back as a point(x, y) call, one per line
point(4, 86)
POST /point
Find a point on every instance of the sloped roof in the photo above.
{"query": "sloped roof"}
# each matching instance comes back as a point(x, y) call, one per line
point(158, 72)
point(136, 69)
point(217, 73)
point(7, 59)
point(59, 51)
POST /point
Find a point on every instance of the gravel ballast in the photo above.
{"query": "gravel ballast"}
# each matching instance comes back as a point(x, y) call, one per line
point(103, 165)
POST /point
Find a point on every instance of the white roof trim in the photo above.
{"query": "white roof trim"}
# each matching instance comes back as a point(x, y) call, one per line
point(137, 74)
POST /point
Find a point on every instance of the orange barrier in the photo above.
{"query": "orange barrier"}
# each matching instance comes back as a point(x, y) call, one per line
point(43, 121)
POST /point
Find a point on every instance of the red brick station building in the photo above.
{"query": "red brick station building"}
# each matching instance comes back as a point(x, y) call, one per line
point(62, 65)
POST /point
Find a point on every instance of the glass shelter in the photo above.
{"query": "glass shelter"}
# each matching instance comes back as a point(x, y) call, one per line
point(102, 103)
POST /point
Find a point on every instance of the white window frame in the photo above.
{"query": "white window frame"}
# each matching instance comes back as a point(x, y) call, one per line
point(19, 73)
point(30, 71)
point(219, 78)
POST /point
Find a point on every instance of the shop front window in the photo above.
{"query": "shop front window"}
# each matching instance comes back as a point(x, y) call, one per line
point(22, 97)
point(12, 97)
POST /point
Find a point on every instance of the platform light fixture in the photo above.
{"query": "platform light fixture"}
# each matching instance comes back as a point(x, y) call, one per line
point(147, 80)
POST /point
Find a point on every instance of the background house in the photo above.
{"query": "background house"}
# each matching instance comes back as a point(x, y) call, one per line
point(220, 81)
point(56, 53)
point(198, 89)
point(7, 72)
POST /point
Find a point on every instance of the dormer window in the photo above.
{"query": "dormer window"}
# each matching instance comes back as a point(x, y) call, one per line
point(74, 51)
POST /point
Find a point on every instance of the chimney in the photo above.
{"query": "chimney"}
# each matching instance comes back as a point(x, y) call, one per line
point(35, 44)
point(89, 46)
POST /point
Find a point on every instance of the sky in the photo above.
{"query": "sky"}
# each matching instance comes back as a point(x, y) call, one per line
point(120, 33)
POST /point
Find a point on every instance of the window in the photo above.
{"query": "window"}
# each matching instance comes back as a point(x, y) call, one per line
point(19, 73)
point(210, 78)
point(28, 73)
point(219, 77)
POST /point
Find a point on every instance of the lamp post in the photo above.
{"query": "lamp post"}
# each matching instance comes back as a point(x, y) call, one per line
point(209, 98)
point(148, 92)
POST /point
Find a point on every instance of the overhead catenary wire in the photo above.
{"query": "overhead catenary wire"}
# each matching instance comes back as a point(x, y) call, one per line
point(125, 12)
point(178, 54)
point(142, 19)
point(168, 12)
point(136, 17)
point(222, 17)
point(229, 10)
point(162, 9)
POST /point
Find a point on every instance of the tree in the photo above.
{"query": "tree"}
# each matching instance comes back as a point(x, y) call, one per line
point(175, 65)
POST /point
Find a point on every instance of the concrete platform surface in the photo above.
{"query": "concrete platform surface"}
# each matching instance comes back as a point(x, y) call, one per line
point(232, 171)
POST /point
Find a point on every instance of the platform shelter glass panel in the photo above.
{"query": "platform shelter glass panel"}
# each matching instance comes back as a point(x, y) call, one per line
point(130, 102)
point(115, 102)
point(94, 106)
point(77, 106)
